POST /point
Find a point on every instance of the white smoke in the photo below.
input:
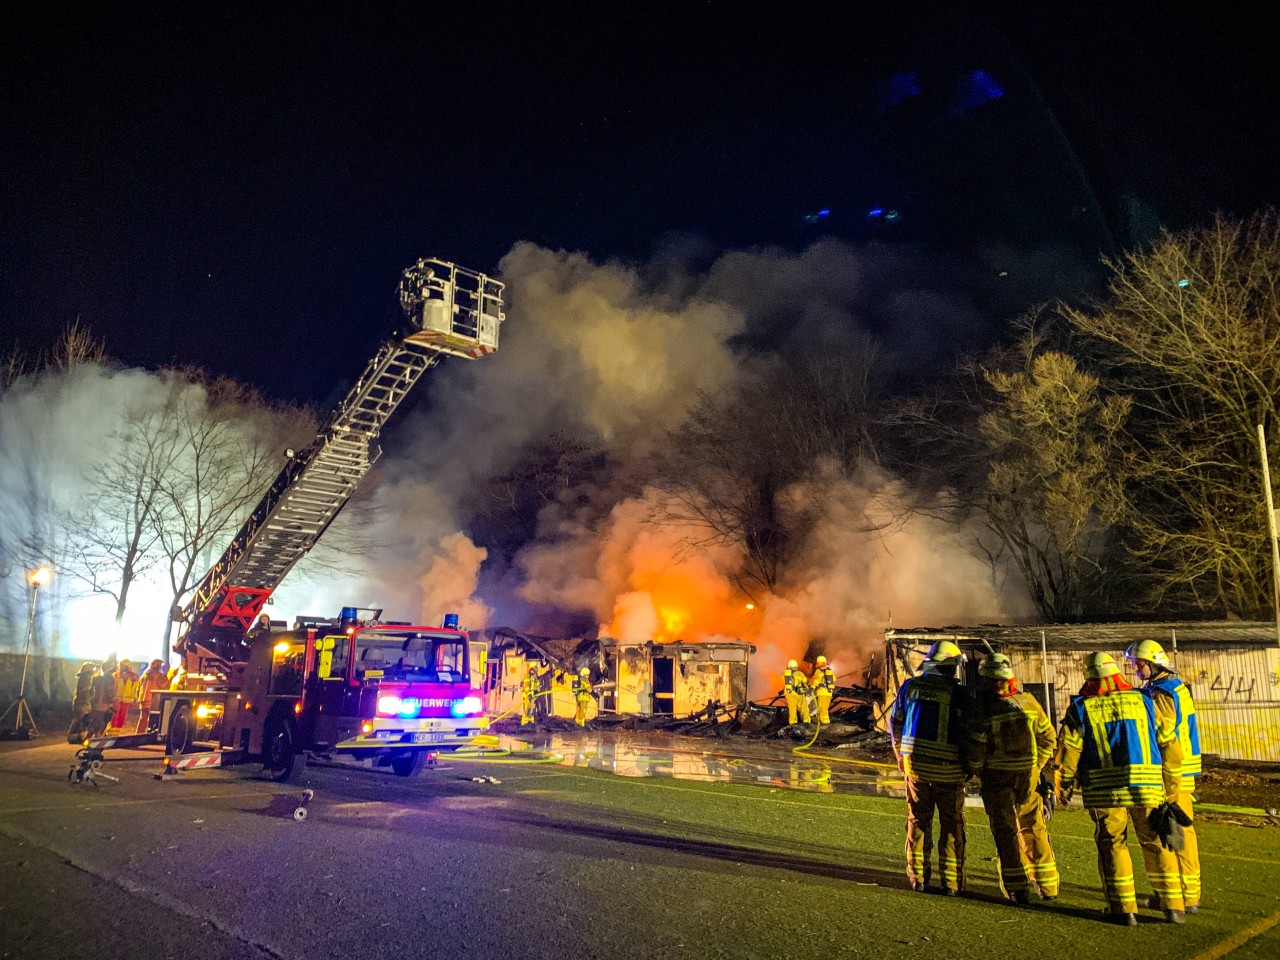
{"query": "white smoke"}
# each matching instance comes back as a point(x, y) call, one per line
point(613, 355)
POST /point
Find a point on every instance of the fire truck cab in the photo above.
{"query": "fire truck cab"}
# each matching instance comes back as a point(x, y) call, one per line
point(351, 688)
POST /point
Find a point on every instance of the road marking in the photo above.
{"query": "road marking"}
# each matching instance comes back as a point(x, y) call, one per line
point(127, 803)
point(1240, 939)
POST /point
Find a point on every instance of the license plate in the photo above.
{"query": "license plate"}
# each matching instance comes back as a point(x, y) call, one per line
point(428, 738)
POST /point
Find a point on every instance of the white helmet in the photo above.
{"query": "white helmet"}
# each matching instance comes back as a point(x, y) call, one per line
point(792, 665)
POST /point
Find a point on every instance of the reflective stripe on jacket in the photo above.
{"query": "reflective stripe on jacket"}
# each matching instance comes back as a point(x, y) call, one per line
point(1009, 732)
point(928, 725)
point(1173, 697)
point(1109, 741)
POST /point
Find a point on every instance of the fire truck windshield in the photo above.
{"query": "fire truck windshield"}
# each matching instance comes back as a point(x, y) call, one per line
point(411, 655)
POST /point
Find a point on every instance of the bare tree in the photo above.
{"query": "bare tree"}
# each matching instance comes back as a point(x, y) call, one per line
point(114, 531)
point(1192, 329)
point(729, 464)
point(1053, 493)
point(1024, 446)
point(223, 461)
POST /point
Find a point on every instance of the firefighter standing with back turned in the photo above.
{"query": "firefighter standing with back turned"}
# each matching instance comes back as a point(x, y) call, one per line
point(582, 695)
point(1175, 709)
point(1109, 739)
point(1010, 743)
point(823, 683)
point(528, 694)
point(795, 688)
point(928, 724)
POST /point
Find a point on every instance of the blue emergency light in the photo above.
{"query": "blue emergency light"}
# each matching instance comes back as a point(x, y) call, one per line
point(451, 621)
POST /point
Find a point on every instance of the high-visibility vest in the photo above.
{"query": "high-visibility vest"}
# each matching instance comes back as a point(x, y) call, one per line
point(1109, 742)
point(1186, 723)
point(824, 679)
point(582, 687)
point(928, 724)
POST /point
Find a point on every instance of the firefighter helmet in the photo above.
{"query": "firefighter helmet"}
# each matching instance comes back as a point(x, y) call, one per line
point(822, 661)
point(584, 672)
point(792, 665)
point(996, 666)
point(944, 651)
point(88, 666)
point(1099, 665)
point(1151, 652)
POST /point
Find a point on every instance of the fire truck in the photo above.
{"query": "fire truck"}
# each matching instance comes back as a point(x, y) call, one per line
point(356, 687)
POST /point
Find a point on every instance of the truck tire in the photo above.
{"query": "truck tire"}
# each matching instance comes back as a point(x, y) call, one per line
point(410, 764)
point(182, 730)
point(280, 756)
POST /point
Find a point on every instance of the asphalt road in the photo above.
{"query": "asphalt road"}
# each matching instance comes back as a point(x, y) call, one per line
point(552, 862)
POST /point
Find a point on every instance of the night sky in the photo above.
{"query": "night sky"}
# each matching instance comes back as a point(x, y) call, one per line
point(238, 186)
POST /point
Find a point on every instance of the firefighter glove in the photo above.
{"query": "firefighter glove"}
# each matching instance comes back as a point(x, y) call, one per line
point(1166, 827)
point(1048, 799)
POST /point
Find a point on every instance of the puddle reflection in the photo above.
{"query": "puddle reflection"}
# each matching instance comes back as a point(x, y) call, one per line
point(628, 755)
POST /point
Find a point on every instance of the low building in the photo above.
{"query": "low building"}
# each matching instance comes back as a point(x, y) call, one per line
point(673, 679)
point(640, 679)
point(1233, 669)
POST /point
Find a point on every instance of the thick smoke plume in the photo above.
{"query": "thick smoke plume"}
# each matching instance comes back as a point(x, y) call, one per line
point(613, 356)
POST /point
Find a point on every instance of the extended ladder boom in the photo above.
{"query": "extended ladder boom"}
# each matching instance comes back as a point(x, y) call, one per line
point(448, 310)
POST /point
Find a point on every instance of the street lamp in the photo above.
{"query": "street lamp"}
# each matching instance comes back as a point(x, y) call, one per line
point(37, 578)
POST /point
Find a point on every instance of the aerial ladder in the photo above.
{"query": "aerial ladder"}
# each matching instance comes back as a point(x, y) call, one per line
point(448, 311)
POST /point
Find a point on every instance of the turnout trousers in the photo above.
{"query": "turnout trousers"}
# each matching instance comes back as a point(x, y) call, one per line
point(923, 797)
point(1015, 811)
point(824, 707)
point(1111, 834)
point(1189, 856)
point(796, 703)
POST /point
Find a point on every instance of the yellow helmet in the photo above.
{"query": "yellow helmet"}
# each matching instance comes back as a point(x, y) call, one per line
point(585, 672)
point(1151, 652)
point(944, 651)
point(996, 666)
point(822, 661)
point(1099, 665)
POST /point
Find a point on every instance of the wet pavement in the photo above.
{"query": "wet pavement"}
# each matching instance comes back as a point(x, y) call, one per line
point(771, 764)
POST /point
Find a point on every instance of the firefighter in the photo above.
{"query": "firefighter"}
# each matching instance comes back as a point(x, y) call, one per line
point(795, 688)
point(155, 678)
point(1110, 740)
point(104, 698)
point(930, 715)
point(582, 695)
point(1010, 743)
point(1176, 711)
point(529, 688)
point(82, 703)
point(823, 683)
point(127, 688)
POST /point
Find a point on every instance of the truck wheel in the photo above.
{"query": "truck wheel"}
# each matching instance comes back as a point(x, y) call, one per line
point(181, 730)
point(410, 764)
point(281, 759)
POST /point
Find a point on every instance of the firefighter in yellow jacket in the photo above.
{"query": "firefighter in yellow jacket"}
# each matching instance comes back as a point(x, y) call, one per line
point(795, 687)
point(1109, 741)
point(582, 695)
point(1010, 743)
point(823, 683)
point(1176, 711)
point(928, 725)
point(529, 689)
